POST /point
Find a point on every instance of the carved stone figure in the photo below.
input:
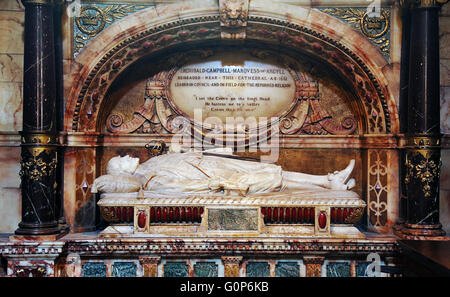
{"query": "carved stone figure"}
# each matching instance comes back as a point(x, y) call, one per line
point(220, 172)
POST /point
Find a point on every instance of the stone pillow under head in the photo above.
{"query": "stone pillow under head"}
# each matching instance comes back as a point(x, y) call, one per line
point(123, 183)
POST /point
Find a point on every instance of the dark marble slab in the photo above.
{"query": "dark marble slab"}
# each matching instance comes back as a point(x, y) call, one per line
point(361, 269)
point(425, 257)
point(176, 269)
point(93, 270)
point(124, 269)
point(233, 219)
point(338, 269)
point(206, 269)
point(287, 269)
point(257, 269)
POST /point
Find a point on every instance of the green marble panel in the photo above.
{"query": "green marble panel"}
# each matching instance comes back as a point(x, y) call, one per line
point(258, 269)
point(361, 269)
point(93, 270)
point(206, 269)
point(176, 269)
point(287, 269)
point(338, 269)
point(124, 269)
point(233, 219)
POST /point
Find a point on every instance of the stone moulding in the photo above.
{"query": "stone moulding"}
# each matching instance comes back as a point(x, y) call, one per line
point(90, 87)
point(274, 214)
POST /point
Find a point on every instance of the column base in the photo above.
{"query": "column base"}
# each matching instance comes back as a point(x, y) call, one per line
point(420, 232)
point(51, 237)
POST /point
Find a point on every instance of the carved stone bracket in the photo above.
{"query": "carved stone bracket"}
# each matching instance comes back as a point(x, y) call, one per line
point(150, 265)
point(232, 265)
point(313, 266)
point(233, 18)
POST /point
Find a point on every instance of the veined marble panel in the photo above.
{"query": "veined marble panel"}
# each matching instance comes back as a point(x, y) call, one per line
point(10, 167)
point(444, 33)
point(10, 209)
point(445, 72)
point(124, 269)
point(176, 269)
point(287, 269)
point(206, 269)
point(361, 269)
point(93, 269)
point(444, 194)
point(445, 110)
point(257, 269)
point(11, 67)
point(11, 5)
point(338, 269)
point(10, 105)
point(11, 39)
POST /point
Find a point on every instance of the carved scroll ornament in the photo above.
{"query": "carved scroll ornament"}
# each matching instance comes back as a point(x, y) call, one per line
point(159, 115)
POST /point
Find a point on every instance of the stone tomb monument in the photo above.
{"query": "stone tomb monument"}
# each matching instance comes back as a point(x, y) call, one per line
point(213, 192)
point(218, 194)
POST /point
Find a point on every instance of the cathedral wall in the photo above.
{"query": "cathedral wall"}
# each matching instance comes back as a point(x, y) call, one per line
point(444, 33)
point(11, 73)
point(11, 77)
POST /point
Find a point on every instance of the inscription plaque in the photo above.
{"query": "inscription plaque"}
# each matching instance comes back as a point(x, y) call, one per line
point(230, 84)
point(233, 219)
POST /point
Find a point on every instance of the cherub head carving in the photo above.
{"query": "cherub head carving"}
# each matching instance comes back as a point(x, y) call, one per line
point(234, 13)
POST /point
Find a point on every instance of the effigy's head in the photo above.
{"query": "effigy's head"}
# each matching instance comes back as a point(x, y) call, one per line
point(120, 165)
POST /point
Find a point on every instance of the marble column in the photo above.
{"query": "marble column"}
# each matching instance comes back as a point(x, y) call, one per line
point(423, 139)
point(39, 135)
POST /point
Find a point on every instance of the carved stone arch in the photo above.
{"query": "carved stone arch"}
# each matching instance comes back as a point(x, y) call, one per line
point(156, 29)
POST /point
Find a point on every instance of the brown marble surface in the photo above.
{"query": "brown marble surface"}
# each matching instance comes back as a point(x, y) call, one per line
point(433, 255)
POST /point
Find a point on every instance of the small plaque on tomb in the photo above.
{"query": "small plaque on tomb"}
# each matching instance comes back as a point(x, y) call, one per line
point(233, 84)
point(233, 219)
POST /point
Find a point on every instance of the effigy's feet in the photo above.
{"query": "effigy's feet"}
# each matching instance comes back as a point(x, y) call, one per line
point(351, 183)
point(338, 180)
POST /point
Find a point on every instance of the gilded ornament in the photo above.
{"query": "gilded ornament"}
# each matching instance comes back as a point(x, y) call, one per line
point(375, 28)
point(426, 171)
point(94, 18)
